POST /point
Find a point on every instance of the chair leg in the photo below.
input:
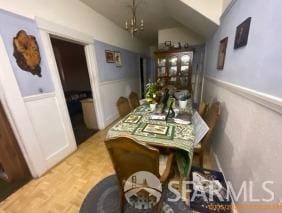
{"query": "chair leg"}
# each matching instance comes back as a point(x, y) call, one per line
point(202, 160)
point(121, 202)
point(180, 186)
point(159, 206)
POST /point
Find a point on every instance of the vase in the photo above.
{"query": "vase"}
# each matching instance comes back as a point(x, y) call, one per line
point(183, 104)
point(153, 107)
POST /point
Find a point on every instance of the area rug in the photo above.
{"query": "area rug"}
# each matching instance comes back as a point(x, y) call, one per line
point(105, 198)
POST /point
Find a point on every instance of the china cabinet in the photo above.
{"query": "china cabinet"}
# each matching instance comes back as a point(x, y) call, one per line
point(174, 68)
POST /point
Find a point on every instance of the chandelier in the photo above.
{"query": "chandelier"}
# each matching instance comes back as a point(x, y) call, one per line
point(133, 27)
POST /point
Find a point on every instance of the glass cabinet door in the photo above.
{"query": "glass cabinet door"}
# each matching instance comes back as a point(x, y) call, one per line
point(185, 60)
point(172, 61)
point(184, 70)
point(162, 72)
point(183, 81)
point(161, 69)
point(172, 71)
point(173, 68)
point(161, 62)
point(185, 63)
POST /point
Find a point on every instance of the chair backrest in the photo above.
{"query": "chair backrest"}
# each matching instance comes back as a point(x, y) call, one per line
point(130, 156)
point(202, 109)
point(211, 119)
point(123, 106)
point(133, 100)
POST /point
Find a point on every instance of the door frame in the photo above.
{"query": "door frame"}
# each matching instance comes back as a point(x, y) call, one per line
point(143, 74)
point(48, 29)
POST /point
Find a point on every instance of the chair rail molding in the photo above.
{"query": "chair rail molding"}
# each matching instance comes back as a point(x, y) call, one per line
point(118, 81)
point(268, 101)
point(39, 96)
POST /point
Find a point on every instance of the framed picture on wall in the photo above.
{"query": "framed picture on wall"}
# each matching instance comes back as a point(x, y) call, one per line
point(242, 34)
point(110, 56)
point(118, 59)
point(26, 54)
point(221, 53)
point(167, 43)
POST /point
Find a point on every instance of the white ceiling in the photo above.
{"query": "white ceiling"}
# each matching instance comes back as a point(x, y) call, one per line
point(157, 14)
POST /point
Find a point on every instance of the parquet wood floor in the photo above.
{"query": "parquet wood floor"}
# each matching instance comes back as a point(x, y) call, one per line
point(63, 188)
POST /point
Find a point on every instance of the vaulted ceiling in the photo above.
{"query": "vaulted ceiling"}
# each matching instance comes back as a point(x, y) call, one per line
point(157, 14)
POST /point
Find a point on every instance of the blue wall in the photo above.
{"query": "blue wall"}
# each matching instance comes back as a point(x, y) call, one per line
point(258, 65)
point(109, 71)
point(29, 84)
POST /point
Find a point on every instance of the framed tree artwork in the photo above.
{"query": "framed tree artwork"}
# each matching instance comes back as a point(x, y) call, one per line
point(23, 45)
point(221, 53)
point(242, 34)
point(26, 52)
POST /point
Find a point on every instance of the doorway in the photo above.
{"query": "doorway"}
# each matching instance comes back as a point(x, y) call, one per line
point(72, 66)
point(143, 76)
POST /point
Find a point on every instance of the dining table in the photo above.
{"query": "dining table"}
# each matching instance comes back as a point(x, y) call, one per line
point(176, 136)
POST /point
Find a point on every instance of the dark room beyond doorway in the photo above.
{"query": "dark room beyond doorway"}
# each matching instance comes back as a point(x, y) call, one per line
point(73, 71)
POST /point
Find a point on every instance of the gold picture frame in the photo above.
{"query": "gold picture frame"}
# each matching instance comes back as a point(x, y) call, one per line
point(221, 53)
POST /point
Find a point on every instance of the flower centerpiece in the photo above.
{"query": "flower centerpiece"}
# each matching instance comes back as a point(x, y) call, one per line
point(151, 90)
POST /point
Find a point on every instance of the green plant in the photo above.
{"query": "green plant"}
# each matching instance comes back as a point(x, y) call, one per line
point(151, 90)
point(184, 97)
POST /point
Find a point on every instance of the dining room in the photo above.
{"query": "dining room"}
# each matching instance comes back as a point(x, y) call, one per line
point(186, 96)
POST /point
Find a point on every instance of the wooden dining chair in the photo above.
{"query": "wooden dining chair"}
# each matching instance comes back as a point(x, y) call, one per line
point(202, 109)
point(130, 156)
point(123, 106)
point(133, 100)
point(211, 118)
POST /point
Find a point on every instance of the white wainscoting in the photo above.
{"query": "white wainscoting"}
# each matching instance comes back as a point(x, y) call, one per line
point(247, 139)
point(55, 141)
point(110, 91)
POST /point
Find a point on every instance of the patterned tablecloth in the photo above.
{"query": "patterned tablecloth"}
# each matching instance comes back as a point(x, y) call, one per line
point(138, 125)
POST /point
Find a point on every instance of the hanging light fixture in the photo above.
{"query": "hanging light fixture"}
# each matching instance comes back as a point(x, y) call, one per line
point(133, 27)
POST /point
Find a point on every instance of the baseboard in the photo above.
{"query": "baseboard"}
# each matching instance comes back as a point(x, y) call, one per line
point(234, 209)
point(110, 119)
